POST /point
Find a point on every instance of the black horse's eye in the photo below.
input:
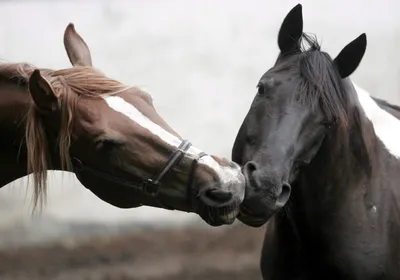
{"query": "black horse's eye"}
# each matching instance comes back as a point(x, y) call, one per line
point(260, 90)
point(106, 145)
point(328, 123)
point(251, 140)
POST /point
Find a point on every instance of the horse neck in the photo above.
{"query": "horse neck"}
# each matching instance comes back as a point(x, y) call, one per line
point(341, 169)
point(349, 152)
point(15, 101)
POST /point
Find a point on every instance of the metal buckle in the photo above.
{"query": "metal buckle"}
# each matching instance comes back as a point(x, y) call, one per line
point(150, 188)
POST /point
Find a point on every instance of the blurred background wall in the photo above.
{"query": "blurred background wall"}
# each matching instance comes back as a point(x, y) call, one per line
point(200, 60)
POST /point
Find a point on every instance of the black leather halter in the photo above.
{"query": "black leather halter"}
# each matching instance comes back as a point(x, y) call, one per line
point(151, 187)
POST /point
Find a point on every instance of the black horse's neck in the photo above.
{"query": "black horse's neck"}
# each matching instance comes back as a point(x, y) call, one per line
point(339, 204)
point(14, 105)
point(341, 168)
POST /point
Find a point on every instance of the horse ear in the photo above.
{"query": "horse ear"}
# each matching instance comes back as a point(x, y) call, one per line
point(42, 93)
point(350, 57)
point(77, 50)
point(291, 30)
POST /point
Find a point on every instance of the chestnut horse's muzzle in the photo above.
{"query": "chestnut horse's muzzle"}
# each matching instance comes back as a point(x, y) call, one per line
point(151, 187)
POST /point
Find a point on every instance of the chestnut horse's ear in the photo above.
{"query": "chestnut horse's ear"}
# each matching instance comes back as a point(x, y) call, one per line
point(77, 50)
point(350, 57)
point(291, 30)
point(42, 93)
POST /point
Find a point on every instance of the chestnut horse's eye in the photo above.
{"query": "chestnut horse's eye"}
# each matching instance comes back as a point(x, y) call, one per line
point(106, 145)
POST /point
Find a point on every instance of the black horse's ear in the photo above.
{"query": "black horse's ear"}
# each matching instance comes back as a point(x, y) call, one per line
point(291, 30)
point(350, 57)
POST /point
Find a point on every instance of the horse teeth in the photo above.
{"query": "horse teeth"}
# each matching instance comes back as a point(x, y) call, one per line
point(231, 215)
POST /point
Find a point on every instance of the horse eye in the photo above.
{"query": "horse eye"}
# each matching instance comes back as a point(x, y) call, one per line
point(328, 123)
point(260, 89)
point(107, 144)
point(250, 140)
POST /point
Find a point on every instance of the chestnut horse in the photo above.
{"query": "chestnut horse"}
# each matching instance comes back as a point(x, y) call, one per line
point(321, 159)
point(110, 135)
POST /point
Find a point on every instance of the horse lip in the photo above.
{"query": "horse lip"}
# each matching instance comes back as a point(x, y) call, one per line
point(251, 220)
point(246, 212)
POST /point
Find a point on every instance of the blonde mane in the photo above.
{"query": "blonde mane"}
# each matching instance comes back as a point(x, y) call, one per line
point(68, 85)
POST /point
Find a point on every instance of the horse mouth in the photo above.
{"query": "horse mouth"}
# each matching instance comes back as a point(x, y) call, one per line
point(219, 216)
point(228, 217)
point(249, 218)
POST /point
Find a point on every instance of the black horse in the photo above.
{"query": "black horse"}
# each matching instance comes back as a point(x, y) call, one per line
point(322, 164)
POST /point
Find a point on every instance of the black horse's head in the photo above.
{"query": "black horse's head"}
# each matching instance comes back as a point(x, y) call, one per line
point(298, 101)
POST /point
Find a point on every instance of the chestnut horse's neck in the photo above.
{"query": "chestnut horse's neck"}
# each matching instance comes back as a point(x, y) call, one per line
point(15, 101)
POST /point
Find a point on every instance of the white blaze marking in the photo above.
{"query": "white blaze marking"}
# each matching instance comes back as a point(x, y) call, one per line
point(226, 174)
point(386, 126)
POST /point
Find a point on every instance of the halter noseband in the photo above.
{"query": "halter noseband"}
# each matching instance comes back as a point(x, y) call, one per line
point(151, 187)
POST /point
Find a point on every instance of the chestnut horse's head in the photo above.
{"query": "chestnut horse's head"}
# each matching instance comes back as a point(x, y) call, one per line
point(117, 144)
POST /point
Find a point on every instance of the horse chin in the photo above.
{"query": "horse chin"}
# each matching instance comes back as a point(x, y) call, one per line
point(247, 217)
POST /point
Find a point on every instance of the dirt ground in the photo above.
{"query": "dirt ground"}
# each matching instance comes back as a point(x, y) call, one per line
point(212, 253)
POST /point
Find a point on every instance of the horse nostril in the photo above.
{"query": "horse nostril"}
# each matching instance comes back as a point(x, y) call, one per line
point(249, 172)
point(284, 195)
point(218, 195)
point(250, 167)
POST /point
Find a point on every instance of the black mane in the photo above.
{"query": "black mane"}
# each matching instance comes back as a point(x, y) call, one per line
point(319, 81)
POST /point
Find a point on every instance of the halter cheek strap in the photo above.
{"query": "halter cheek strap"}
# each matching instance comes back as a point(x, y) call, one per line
point(152, 186)
point(191, 191)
